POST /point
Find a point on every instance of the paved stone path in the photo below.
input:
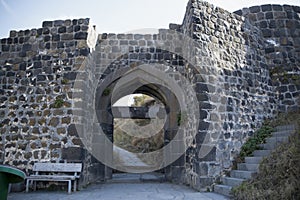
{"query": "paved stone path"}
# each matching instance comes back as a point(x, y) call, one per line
point(122, 191)
point(127, 158)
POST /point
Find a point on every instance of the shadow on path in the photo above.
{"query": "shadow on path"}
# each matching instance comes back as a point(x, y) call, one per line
point(122, 191)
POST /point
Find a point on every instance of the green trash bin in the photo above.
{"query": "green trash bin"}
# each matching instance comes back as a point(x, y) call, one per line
point(9, 175)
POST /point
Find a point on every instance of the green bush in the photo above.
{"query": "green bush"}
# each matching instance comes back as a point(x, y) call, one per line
point(58, 103)
point(252, 143)
point(106, 92)
point(64, 81)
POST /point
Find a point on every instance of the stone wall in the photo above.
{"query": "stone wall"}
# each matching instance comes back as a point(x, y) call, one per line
point(38, 69)
point(239, 96)
point(58, 83)
point(280, 27)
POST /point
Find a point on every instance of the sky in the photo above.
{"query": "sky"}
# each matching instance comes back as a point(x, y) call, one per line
point(109, 16)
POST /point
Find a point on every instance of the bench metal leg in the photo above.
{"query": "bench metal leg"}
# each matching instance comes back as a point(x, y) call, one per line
point(69, 186)
point(75, 185)
point(34, 185)
point(27, 185)
point(9, 188)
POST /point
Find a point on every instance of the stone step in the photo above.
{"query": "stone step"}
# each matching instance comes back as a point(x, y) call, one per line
point(268, 146)
point(261, 153)
point(247, 167)
point(232, 181)
point(253, 160)
point(139, 169)
point(124, 178)
point(137, 178)
point(277, 140)
point(286, 127)
point(153, 177)
point(242, 174)
point(282, 133)
point(223, 189)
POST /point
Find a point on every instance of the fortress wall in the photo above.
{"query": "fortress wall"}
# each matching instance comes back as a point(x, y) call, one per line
point(231, 57)
point(280, 27)
point(38, 70)
point(243, 68)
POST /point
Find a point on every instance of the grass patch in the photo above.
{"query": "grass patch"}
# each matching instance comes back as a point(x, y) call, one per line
point(181, 118)
point(58, 103)
point(137, 144)
point(64, 81)
point(106, 92)
point(252, 143)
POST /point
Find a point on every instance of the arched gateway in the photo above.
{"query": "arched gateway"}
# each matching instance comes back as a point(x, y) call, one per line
point(160, 71)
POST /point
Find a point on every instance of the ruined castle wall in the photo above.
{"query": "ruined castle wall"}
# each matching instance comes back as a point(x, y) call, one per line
point(38, 70)
point(240, 96)
point(280, 27)
point(243, 69)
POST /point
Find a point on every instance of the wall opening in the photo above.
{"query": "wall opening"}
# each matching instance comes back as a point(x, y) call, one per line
point(138, 132)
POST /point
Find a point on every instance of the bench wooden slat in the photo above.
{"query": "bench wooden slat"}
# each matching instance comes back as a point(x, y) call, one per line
point(50, 179)
point(57, 167)
point(36, 177)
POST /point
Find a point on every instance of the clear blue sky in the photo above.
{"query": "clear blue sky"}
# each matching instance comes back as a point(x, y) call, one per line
point(114, 16)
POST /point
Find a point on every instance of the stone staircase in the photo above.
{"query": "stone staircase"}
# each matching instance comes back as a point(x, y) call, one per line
point(249, 168)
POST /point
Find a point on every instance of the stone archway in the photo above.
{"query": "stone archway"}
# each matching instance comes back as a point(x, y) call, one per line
point(145, 80)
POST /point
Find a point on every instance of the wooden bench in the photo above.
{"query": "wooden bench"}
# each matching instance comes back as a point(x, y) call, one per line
point(67, 172)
